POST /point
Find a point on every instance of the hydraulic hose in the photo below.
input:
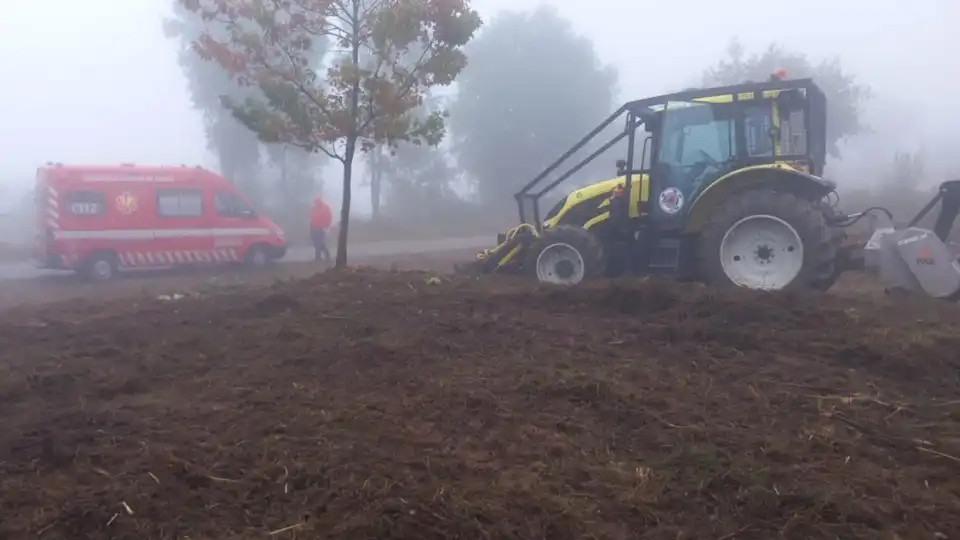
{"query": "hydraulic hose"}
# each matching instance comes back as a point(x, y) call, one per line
point(850, 219)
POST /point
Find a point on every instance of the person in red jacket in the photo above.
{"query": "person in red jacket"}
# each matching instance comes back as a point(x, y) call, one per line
point(320, 220)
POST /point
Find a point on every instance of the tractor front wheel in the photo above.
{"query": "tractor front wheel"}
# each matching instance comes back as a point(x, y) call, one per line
point(769, 240)
point(565, 255)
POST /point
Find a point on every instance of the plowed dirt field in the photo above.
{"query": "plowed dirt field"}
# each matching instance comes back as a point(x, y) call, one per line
point(375, 404)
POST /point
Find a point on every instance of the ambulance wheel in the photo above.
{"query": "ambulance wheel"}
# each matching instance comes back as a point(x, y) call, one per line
point(257, 257)
point(101, 266)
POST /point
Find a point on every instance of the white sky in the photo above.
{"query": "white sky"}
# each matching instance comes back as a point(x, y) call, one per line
point(97, 81)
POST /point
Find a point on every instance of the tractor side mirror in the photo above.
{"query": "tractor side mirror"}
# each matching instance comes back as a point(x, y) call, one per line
point(649, 119)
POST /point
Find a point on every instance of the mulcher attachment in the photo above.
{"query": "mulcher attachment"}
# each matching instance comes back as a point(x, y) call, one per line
point(917, 259)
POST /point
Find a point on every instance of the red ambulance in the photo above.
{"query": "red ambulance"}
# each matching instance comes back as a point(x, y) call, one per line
point(98, 220)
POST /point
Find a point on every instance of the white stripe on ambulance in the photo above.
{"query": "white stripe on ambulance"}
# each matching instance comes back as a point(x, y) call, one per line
point(141, 234)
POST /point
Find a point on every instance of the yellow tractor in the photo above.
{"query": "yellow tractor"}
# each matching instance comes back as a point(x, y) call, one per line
point(728, 190)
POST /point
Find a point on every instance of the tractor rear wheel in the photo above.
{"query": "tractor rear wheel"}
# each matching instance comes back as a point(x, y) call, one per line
point(769, 240)
point(565, 255)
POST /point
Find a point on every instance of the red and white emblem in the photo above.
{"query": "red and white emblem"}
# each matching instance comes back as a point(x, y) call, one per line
point(671, 200)
point(126, 203)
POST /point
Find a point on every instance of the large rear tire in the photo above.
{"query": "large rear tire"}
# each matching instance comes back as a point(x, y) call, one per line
point(769, 240)
point(565, 255)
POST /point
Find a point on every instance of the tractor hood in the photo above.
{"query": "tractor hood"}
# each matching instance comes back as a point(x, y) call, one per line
point(596, 192)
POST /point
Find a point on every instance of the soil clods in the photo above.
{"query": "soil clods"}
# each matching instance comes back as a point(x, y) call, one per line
point(395, 405)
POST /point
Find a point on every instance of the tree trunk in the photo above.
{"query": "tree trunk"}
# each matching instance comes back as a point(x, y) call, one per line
point(351, 144)
point(376, 173)
point(285, 182)
point(345, 204)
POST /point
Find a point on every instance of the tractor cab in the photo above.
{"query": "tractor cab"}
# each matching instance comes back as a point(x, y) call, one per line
point(699, 140)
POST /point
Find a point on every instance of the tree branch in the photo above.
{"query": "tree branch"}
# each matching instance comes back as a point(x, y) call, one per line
point(366, 13)
point(343, 13)
point(371, 110)
point(330, 153)
point(301, 87)
point(298, 84)
point(412, 79)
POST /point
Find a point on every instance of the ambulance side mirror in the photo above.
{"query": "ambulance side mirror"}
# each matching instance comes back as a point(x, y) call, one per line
point(248, 214)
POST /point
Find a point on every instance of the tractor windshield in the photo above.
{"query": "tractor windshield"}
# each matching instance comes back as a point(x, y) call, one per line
point(697, 143)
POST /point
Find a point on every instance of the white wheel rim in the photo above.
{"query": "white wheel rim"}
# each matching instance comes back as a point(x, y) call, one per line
point(259, 258)
point(102, 269)
point(560, 264)
point(762, 252)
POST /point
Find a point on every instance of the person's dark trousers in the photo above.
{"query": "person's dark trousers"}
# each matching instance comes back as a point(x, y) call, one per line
point(320, 250)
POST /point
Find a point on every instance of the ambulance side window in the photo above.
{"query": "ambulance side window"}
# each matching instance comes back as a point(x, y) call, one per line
point(86, 203)
point(230, 205)
point(179, 203)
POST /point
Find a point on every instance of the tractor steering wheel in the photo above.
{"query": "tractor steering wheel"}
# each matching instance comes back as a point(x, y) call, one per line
point(710, 161)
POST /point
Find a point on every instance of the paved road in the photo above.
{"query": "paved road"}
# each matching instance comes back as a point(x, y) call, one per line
point(25, 270)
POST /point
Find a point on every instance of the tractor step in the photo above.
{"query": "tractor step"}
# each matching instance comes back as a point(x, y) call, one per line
point(665, 256)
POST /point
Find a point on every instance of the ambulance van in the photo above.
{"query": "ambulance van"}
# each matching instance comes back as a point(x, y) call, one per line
point(100, 220)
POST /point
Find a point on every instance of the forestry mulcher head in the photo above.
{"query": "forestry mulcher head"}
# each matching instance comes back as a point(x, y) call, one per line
point(725, 187)
point(916, 259)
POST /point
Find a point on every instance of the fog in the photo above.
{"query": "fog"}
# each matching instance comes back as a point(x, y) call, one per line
point(98, 81)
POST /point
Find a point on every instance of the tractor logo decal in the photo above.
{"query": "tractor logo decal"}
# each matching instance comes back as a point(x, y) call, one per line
point(126, 203)
point(912, 239)
point(671, 200)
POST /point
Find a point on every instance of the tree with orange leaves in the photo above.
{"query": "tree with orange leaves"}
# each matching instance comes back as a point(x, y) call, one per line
point(408, 47)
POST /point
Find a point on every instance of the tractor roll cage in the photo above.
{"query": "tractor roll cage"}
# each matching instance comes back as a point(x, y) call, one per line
point(641, 111)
